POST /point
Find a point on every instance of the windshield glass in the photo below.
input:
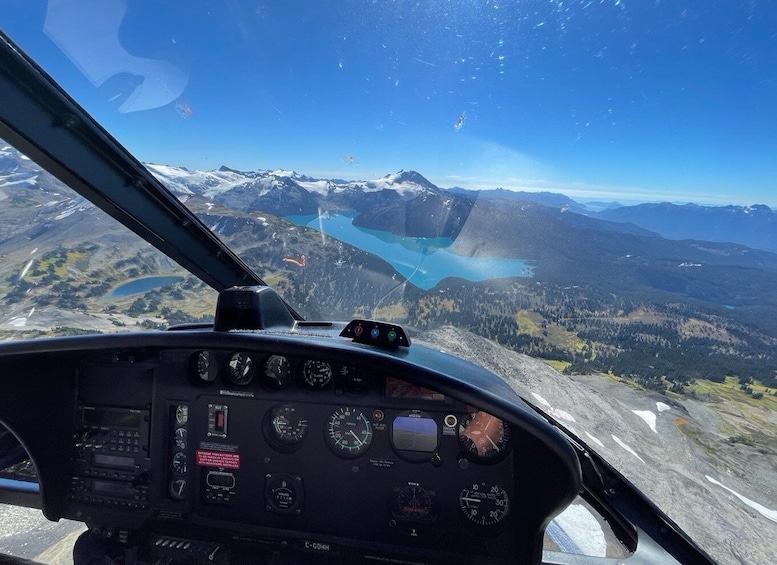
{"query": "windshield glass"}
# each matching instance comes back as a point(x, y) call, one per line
point(582, 189)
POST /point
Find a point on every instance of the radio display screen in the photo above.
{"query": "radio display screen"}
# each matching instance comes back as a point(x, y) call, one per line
point(104, 460)
point(114, 489)
point(118, 418)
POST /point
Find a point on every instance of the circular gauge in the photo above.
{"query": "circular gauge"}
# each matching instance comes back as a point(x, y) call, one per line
point(178, 489)
point(180, 438)
point(178, 463)
point(181, 414)
point(316, 374)
point(348, 432)
point(277, 371)
point(484, 437)
point(204, 367)
point(283, 494)
point(484, 504)
point(285, 427)
point(240, 368)
point(413, 506)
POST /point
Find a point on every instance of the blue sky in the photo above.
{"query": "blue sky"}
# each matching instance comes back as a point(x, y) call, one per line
point(620, 100)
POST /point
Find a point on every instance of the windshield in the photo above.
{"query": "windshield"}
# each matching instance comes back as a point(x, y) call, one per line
point(584, 189)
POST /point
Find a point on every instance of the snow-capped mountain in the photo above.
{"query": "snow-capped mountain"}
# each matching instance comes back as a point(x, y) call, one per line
point(284, 193)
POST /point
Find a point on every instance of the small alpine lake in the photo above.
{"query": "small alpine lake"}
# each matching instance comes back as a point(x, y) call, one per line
point(423, 261)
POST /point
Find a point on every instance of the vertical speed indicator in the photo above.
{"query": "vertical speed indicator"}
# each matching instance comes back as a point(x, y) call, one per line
point(348, 432)
point(485, 504)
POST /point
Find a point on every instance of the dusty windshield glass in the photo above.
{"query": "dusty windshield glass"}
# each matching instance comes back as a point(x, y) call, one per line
point(589, 183)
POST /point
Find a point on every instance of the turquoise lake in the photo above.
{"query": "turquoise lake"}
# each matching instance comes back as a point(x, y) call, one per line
point(142, 285)
point(423, 261)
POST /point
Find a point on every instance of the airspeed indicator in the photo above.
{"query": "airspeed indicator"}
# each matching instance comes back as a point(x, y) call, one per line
point(348, 432)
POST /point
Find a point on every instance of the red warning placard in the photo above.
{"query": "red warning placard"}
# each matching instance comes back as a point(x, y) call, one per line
point(219, 459)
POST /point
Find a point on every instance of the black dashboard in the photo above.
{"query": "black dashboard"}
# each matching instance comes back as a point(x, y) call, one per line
point(239, 447)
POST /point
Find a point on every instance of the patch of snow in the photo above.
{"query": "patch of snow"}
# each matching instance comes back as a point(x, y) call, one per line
point(662, 407)
point(33, 180)
point(541, 400)
point(562, 415)
point(26, 268)
point(34, 251)
point(318, 186)
point(626, 447)
point(66, 213)
point(595, 440)
point(19, 322)
point(767, 513)
point(584, 530)
point(649, 417)
point(554, 412)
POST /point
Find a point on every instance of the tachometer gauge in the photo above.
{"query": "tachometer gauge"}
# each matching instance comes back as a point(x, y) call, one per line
point(178, 463)
point(240, 368)
point(178, 489)
point(316, 374)
point(484, 504)
point(413, 507)
point(285, 427)
point(348, 432)
point(204, 367)
point(277, 371)
point(484, 437)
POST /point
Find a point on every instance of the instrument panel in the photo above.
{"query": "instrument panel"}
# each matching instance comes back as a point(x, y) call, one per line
point(257, 445)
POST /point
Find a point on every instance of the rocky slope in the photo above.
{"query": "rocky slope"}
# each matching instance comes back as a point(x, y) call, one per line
point(687, 464)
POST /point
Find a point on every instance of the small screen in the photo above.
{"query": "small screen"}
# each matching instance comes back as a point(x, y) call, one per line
point(113, 461)
point(414, 434)
point(120, 418)
point(116, 489)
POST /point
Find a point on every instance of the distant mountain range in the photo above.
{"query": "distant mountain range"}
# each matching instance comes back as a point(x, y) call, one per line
point(754, 226)
point(402, 203)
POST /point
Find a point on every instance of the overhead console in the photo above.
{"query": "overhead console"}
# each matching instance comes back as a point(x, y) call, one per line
point(223, 447)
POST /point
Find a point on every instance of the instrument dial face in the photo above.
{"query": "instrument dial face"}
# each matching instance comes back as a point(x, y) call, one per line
point(277, 371)
point(240, 368)
point(286, 427)
point(316, 375)
point(348, 432)
point(283, 494)
point(178, 489)
point(204, 367)
point(484, 504)
point(484, 437)
point(178, 463)
point(181, 414)
point(180, 438)
point(414, 505)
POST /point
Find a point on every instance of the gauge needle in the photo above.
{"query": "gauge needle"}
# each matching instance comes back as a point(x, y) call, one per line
point(492, 443)
point(471, 499)
point(356, 437)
